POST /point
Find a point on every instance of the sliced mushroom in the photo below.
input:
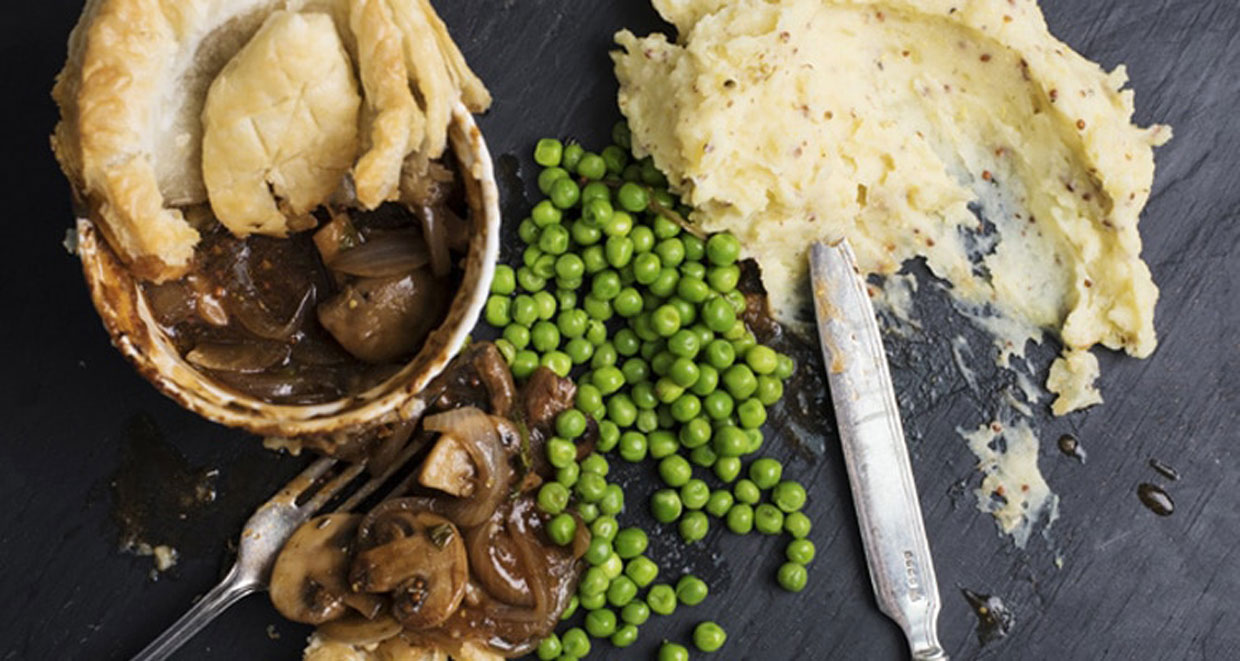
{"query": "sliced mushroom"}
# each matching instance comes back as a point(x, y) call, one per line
point(449, 468)
point(308, 581)
point(382, 319)
point(419, 558)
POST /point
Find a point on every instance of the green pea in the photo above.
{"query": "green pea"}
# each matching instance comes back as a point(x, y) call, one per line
point(770, 390)
point(694, 494)
point(797, 524)
point(590, 487)
point(644, 396)
point(789, 496)
point(548, 152)
point(642, 571)
point(662, 599)
point(675, 471)
point(530, 282)
point(620, 225)
point(737, 332)
point(553, 241)
point(666, 320)
point(597, 213)
point(621, 410)
point(785, 368)
point(545, 214)
point(619, 251)
point(693, 526)
point(747, 492)
point(598, 308)
point(792, 577)
point(684, 372)
point(762, 359)
point(723, 279)
point(571, 610)
point(545, 336)
point(596, 331)
point(517, 336)
point(576, 642)
point(662, 443)
point(692, 269)
point(604, 356)
point(766, 472)
point(598, 551)
point(622, 135)
point(613, 567)
point(565, 193)
point(718, 314)
point(727, 469)
point(646, 268)
point(703, 456)
point(718, 405)
point(553, 497)
point(528, 231)
point(643, 240)
point(585, 234)
point(720, 354)
point(635, 370)
point(667, 390)
point(633, 197)
point(684, 343)
point(595, 190)
point(572, 156)
point(568, 475)
point(592, 166)
point(665, 284)
point(709, 637)
point(612, 502)
point(740, 381)
point(621, 591)
point(524, 363)
point(751, 414)
point(628, 303)
point(593, 259)
point(579, 350)
point(671, 251)
point(592, 602)
point(740, 519)
point(569, 266)
point(737, 300)
point(544, 267)
point(600, 623)
point(730, 441)
point(606, 378)
point(608, 436)
point(595, 463)
point(561, 452)
point(573, 323)
point(673, 652)
point(562, 529)
point(625, 636)
point(800, 551)
point(707, 381)
point(723, 249)
point(692, 289)
point(768, 519)
point(695, 433)
point(504, 282)
point(665, 505)
point(587, 511)
point(497, 311)
point(687, 311)
point(664, 228)
point(550, 647)
point(548, 177)
point(570, 424)
point(633, 446)
point(719, 503)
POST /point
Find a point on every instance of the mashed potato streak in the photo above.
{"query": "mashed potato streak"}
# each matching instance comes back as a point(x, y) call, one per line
point(900, 124)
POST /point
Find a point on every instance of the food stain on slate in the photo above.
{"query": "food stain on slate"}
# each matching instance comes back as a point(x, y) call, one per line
point(1071, 447)
point(1155, 499)
point(154, 493)
point(994, 620)
point(1164, 469)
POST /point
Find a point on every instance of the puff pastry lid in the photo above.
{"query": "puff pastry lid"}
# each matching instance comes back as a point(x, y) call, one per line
point(262, 108)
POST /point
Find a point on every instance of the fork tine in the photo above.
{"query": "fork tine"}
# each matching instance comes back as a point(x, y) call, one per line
point(305, 480)
point(334, 486)
point(402, 459)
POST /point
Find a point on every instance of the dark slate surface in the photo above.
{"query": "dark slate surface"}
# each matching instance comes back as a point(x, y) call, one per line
point(1132, 586)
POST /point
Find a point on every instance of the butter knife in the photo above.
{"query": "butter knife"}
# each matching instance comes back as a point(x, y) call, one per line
point(881, 477)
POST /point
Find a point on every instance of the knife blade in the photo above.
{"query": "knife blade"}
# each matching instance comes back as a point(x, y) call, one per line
point(879, 472)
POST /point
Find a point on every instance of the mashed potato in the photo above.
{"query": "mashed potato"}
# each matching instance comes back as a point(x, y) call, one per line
point(901, 124)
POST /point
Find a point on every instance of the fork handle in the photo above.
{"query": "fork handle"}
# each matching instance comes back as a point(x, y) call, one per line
point(229, 591)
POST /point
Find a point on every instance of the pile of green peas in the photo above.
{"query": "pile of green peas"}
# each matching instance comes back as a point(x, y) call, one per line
point(615, 289)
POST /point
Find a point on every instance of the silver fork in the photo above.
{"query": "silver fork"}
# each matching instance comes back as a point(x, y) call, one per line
point(264, 535)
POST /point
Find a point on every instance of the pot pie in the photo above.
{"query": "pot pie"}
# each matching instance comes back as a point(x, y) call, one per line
point(290, 218)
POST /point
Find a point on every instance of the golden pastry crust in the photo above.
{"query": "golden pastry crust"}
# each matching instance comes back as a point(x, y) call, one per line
point(134, 86)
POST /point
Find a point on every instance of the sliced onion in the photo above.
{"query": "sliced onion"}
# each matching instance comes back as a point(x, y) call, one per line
point(257, 318)
point(245, 358)
point(481, 439)
point(384, 255)
point(487, 567)
point(434, 230)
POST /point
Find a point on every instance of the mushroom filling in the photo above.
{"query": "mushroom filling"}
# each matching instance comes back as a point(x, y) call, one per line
point(465, 558)
point(325, 313)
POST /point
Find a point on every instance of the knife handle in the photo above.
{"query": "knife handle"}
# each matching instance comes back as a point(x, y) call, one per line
point(879, 471)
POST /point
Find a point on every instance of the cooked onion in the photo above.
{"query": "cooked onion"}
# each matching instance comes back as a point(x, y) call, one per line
point(258, 320)
point(481, 439)
point(487, 566)
point(435, 232)
point(384, 255)
point(245, 357)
